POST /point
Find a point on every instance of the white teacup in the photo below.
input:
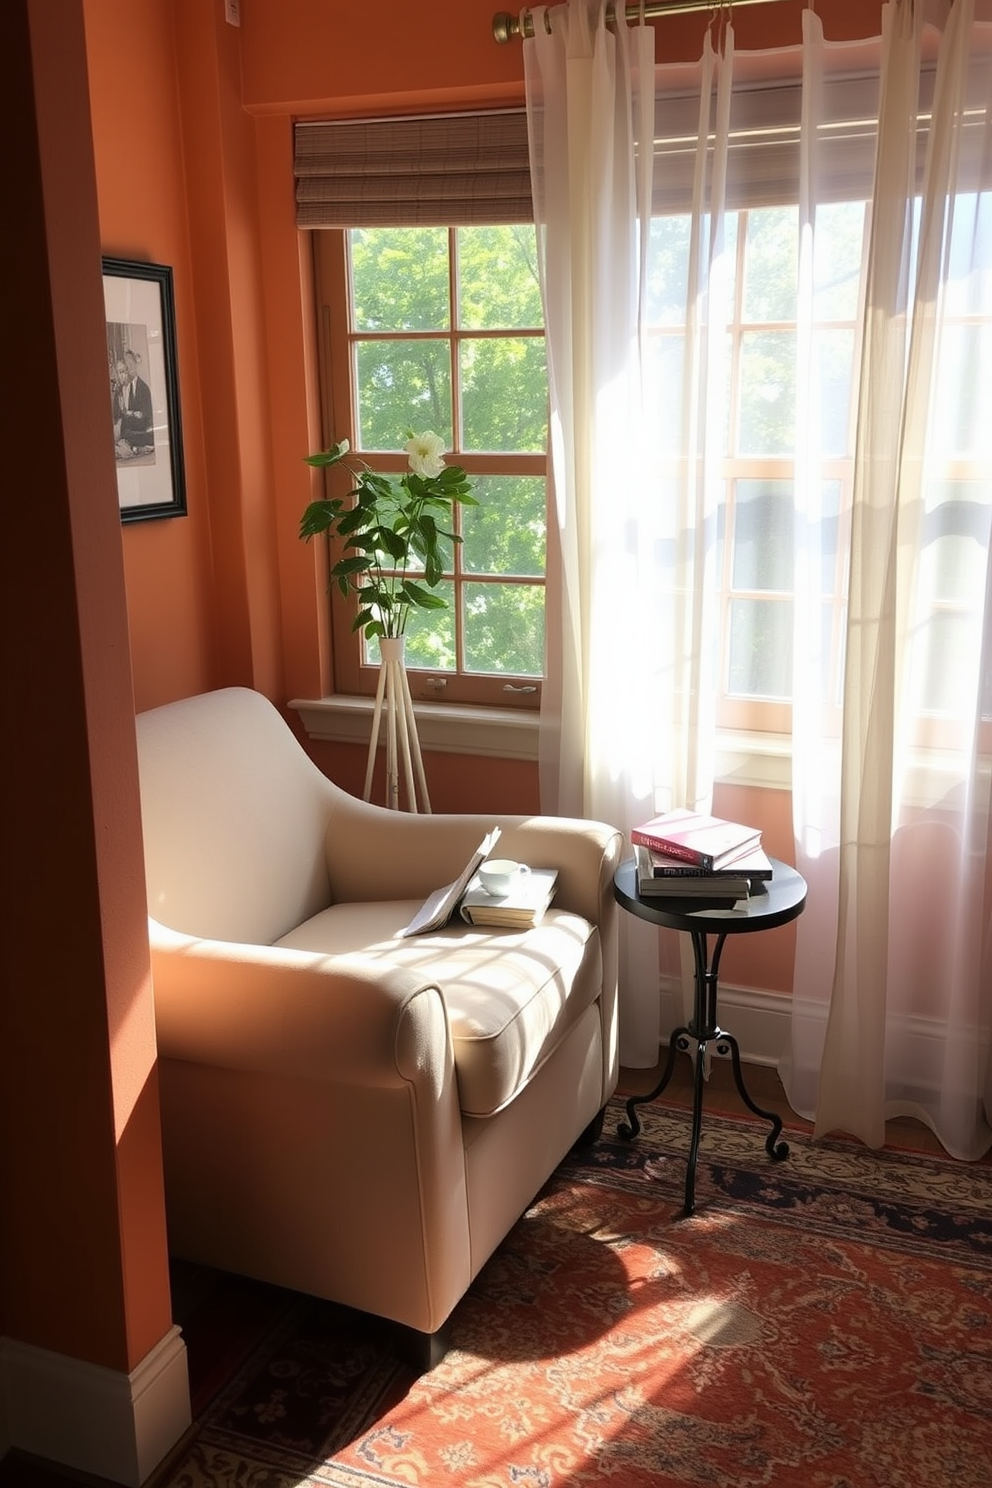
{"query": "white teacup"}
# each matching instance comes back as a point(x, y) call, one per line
point(497, 875)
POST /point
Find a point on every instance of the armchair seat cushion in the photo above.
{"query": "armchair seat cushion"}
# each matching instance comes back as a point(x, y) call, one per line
point(511, 995)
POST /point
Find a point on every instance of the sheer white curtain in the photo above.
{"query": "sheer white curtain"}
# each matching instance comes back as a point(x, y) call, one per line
point(627, 725)
point(873, 360)
point(893, 1003)
point(590, 100)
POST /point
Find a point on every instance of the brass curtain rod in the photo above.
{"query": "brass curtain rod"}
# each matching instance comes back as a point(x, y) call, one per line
point(508, 27)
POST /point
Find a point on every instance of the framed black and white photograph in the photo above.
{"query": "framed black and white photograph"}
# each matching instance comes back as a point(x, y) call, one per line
point(144, 389)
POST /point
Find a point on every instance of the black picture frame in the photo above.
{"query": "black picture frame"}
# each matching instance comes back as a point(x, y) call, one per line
point(142, 369)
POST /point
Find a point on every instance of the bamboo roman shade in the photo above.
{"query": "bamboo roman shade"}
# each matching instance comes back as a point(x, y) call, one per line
point(763, 166)
point(447, 170)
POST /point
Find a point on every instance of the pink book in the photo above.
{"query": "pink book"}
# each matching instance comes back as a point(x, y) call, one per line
point(753, 863)
point(707, 841)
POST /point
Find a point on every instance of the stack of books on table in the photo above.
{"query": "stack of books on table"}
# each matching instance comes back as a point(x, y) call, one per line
point(682, 855)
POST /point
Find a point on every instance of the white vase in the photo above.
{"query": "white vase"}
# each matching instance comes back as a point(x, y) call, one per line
point(394, 706)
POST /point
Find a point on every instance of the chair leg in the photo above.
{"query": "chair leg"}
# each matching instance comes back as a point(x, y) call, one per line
point(593, 1131)
point(422, 1351)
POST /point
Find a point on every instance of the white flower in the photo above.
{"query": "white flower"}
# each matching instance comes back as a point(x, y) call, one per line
point(424, 452)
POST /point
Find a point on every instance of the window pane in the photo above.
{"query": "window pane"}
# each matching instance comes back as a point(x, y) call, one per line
point(760, 649)
point(504, 394)
point(399, 278)
point(767, 392)
point(763, 535)
point(430, 636)
point(835, 364)
point(960, 424)
point(402, 385)
point(498, 285)
point(969, 278)
point(837, 250)
point(959, 516)
point(669, 248)
point(833, 620)
point(668, 270)
point(505, 533)
point(825, 541)
point(948, 659)
point(504, 629)
point(663, 389)
point(770, 260)
point(731, 232)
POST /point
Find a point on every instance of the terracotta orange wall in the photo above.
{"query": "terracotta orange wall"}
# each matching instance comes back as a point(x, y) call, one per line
point(310, 57)
point(83, 1266)
point(143, 215)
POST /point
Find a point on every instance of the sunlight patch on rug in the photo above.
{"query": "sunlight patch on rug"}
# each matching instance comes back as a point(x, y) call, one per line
point(723, 1325)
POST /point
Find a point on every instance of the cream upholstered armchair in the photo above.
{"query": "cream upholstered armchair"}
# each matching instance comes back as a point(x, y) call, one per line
point(347, 1112)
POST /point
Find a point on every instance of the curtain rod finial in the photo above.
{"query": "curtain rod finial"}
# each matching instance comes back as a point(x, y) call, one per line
point(505, 27)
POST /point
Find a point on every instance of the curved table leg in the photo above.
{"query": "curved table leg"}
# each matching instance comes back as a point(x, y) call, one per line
point(629, 1129)
point(775, 1149)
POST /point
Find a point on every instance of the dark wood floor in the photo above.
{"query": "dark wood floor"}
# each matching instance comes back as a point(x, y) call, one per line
point(720, 1094)
point(766, 1090)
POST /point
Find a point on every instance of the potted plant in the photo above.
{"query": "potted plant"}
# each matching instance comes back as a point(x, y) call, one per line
point(391, 532)
point(394, 539)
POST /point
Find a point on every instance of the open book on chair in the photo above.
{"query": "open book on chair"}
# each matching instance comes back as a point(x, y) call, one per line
point(437, 908)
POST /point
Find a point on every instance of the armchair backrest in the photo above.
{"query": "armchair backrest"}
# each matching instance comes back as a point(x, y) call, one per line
point(235, 815)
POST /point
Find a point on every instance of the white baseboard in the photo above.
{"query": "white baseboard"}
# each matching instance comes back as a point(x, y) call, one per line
point(92, 1419)
point(760, 1021)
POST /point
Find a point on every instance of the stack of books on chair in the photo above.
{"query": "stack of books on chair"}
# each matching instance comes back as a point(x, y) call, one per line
point(684, 855)
point(523, 906)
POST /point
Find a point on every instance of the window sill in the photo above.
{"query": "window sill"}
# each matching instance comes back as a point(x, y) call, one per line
point(757, 760)
point(443, 728)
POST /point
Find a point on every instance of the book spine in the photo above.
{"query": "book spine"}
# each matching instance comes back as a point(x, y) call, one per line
point(640, 838)
point(690, 870)
point(659, 888)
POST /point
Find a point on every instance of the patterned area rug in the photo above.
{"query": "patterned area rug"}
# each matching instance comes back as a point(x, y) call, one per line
point(824, 1322)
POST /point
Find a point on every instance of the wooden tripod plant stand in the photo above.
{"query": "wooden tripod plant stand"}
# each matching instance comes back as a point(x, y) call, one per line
point(394, 706)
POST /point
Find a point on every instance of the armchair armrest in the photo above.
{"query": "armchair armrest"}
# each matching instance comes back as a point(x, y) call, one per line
point(586, 854)
point(375, 854)
point(345, 1019)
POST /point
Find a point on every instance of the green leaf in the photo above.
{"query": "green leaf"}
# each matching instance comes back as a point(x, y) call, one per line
point(364, 541)
point(329, 456)
point(376, 487)
point(365, 616)
point(393, 543)
point(352, 520)
point(424, 599)
point(318, 517)
point(358, 564)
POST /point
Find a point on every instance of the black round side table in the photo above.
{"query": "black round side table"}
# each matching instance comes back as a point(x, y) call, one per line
point(779, 900)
